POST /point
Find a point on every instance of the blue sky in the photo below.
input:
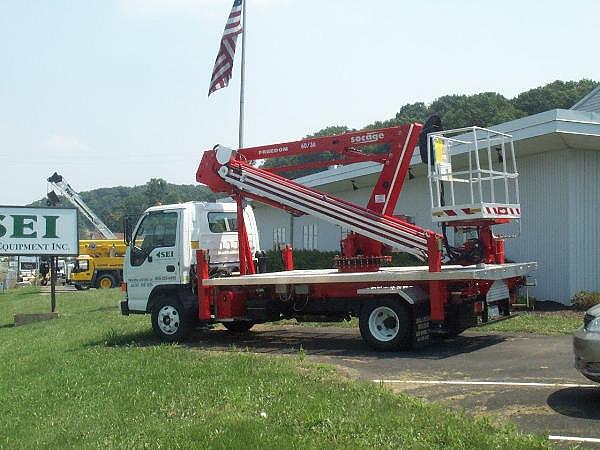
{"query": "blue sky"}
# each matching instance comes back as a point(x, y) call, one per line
point(114, 92)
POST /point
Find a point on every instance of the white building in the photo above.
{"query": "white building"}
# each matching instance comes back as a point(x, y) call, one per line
point(558, 158)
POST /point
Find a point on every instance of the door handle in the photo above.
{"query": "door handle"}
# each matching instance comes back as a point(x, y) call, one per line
point(170, 268)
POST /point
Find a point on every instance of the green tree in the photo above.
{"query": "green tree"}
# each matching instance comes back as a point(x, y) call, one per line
point(156, 190)
point(484, 110)
point(558, 94)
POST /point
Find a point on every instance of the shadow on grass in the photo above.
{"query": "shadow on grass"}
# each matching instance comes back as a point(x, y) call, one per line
point(115, 338)
point(104, 308)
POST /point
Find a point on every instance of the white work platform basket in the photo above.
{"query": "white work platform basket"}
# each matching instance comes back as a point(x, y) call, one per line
point(472, 175)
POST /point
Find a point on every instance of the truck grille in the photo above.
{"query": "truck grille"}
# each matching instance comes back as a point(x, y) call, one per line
point(587, 319)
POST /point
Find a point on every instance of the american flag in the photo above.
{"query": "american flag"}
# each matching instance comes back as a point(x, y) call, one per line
point(224, 62)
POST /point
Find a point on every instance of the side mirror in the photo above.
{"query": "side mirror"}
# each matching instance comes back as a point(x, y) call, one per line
point(128, 224)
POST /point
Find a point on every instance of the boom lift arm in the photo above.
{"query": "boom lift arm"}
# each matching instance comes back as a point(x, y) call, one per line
point(230, 171)
point(59, 183)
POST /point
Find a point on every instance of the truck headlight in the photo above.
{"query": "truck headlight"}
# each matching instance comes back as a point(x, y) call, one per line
point(594, 325)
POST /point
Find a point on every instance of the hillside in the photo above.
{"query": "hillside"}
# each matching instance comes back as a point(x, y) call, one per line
point(113, 203)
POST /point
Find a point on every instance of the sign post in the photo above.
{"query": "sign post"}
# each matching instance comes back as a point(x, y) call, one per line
point(49, 232)
point(53, 284)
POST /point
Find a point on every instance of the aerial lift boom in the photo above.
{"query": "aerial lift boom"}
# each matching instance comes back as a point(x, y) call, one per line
point(58, 182)
point(376, 228)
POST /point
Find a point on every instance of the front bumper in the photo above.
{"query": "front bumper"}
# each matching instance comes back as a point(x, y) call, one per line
point(586, 346)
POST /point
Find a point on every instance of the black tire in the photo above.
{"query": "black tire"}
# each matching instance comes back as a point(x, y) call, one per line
point(238, 327)
point(106, 281)
point(170, 321)
point(385, 325)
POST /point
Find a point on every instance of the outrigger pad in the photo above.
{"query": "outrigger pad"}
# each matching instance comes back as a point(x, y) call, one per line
point(432, 124)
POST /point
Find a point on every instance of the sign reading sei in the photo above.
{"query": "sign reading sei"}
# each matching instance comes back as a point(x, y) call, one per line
point(38, 231)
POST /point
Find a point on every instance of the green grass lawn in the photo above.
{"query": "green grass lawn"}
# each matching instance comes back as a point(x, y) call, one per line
point(96, 379)
point(542, 322)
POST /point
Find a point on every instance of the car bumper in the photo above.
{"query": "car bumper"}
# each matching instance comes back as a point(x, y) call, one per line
point(586, 346)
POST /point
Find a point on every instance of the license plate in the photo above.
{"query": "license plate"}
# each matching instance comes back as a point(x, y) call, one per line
point(493, 311)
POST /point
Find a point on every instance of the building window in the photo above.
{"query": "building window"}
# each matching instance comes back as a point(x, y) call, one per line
point(278, 237)
point(222, 222)
point(310, 234)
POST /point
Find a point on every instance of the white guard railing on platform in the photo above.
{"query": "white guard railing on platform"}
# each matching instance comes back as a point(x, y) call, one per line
point(473, 175)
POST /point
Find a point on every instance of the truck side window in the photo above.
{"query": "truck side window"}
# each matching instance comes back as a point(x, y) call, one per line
point(222, 222)
point(158, 229)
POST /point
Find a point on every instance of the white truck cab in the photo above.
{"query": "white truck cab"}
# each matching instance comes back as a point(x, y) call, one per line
point(159, 262)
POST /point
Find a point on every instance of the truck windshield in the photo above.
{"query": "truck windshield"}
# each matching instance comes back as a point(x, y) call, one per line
point(222, 222)
point(158, 229)
point(81, 265)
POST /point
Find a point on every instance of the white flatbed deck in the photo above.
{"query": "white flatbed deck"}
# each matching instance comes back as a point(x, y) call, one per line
point(385, 274)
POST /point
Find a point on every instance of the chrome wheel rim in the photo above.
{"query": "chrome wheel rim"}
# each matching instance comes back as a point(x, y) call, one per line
point(384, 324)
point(168, 320)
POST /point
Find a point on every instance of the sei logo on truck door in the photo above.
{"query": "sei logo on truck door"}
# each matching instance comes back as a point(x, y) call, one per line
point(165, 254)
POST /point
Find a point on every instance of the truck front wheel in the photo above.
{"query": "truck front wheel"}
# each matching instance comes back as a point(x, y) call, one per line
point(169, 321)
point(385, 325)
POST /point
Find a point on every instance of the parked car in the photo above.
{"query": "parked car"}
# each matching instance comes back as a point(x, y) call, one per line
point(586, 345)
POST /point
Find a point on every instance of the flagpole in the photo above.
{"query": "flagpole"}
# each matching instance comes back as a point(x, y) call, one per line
point(241, 124)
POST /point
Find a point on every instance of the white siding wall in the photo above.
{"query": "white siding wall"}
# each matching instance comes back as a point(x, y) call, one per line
point(544, 198)
point(583, 230)
point(414, 202)
point(268, 219)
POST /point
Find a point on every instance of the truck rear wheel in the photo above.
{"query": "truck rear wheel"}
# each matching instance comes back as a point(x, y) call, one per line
point(385, 325)
point(238, 327)
point(169, 321)
point(106, 281)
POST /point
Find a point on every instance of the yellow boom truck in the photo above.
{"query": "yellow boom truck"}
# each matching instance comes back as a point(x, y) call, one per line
point(99, 264)
point(100, 261)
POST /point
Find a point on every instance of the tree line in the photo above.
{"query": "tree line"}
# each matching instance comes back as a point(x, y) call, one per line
point(458, 111)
